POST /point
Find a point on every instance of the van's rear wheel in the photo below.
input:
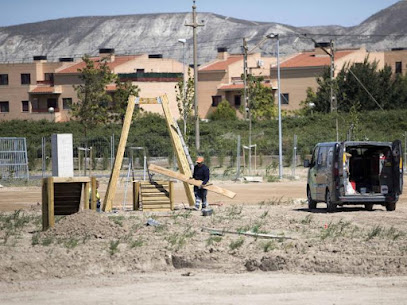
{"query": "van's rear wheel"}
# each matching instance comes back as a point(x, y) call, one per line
point(369, 206)
point(391, 206)
point(312, 204)
point(330, 206)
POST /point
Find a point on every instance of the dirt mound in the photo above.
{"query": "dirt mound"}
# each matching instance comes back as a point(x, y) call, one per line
point(86, 223)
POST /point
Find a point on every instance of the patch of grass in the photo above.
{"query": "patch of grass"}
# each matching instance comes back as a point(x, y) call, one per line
point(114, 247)
point(213, 239)
point(47, 241)
point(234, 211)
point(265, 214)
point(71, 243)
point(375, 231)
point(179, 240)
point(35, 239)
point(117, 220)
point(334, 230)
point(236, 243)
point(307, 220)
point(269, 246)
point(12, 224)
point(393, 234)
point(136, 243)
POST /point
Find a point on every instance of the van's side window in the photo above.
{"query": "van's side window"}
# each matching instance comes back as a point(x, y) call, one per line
point(323, 151)
point(314, 156)
point(330, 156)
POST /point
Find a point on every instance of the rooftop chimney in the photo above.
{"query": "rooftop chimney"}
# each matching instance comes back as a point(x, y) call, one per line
point(107, 53)
point(222, 53)
point(40, 58)
point(66, 59)
point(318, 48)
point(155, 56)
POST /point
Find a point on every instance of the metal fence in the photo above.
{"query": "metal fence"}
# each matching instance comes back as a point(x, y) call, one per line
point(13, 158)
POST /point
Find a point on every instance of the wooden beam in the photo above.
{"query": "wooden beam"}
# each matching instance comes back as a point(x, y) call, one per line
point(172, 195)
point(86, 194)
point(186, 179)
point(136, 195)
point(114, 177)
point(93, 188)
point(71, 179)
point(50, 200)
point(45, 219)
point(183, 164)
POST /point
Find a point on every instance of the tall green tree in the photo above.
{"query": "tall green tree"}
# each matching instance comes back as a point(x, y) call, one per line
point(261, 100)
point(93, 100)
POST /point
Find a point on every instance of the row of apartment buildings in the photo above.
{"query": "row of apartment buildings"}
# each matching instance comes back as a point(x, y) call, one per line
point(28, 90)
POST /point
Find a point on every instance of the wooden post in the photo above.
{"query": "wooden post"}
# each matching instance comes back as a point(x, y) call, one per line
point(136, 195)
point(45, 220)
point(93, 194)
point(171, 190)
point(111, 188)
point(50, 201)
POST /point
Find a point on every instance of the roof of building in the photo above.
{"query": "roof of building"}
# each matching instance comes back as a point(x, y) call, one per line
point(43, 89)
point(240, 86)
point(222, 65)
point(308, 59)
point(119, 60)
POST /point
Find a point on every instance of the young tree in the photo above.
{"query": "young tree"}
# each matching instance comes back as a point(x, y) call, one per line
point(185, 102)
point(93, 100)
point(224, 112)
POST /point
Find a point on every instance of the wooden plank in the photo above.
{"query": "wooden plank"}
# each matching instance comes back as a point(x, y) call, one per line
point(86, 195)
point(158, 210)
point(45, 218)
point(50, 196)
point(136, 196)
point(146, 100)
point(172, 195)
point(93, 199)
point(186, 179)
point(179, 150)
point(111, 188)
point(152, 195)
point(71, 179)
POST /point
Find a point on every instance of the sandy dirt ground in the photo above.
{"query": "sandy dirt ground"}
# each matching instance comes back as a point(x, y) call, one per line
point(349, 257)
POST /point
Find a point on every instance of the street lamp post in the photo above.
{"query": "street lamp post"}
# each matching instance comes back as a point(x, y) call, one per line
point(51, 111)
point(184, 82)
point(280, 128)
point(248, 114)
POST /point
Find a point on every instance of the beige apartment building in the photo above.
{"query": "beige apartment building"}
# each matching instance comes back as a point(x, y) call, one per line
point(396, 58)
point(221, 79)
point(28, 90)
point(302, 70)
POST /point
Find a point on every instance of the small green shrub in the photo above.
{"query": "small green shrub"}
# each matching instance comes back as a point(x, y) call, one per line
point(236, 243)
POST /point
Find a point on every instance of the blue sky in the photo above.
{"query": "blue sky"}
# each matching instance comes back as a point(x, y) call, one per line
point(292, 12)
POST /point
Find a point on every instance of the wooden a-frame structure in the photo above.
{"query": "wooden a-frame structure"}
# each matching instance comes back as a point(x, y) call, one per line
point(182, 160)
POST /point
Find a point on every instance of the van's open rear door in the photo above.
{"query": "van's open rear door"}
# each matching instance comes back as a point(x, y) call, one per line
point(397, 166)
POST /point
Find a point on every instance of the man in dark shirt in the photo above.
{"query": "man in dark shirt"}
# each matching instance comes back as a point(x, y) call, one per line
point(201, 172)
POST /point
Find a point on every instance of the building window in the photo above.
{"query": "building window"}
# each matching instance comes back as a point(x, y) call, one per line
point(25, 106)
point(285, 98)
point(399, 67)
point(35, 105)
point(3, 79)
point(4, 107)
point(216, 99)
point(49, 77)
point(66, 103)
point(140, 71)
point(238, 100)
point(52, 102)
point(25, 78)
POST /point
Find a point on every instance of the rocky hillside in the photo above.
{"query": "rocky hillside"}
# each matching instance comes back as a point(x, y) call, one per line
point(159, 33)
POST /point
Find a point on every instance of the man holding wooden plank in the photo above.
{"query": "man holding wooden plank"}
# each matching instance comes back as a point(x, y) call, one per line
point(201, 172)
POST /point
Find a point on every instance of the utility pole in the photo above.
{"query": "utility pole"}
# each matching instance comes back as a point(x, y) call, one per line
point(247, 113)
point(194, 26)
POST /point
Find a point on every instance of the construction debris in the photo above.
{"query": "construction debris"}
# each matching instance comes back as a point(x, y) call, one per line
point(222, 232)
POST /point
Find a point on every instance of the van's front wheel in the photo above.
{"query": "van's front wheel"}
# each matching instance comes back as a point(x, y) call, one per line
point(391, 206)
point(330, 206)
point(312, 204)
point(369, 206)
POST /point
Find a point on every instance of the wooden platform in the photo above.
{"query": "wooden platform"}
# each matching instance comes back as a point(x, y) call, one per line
point(62, 196)
point(153, 196)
